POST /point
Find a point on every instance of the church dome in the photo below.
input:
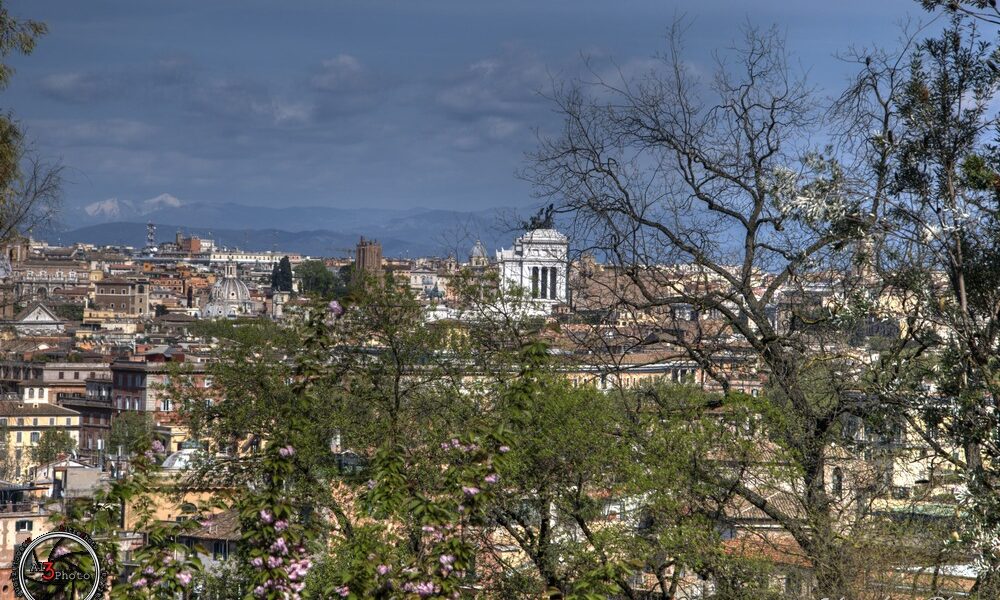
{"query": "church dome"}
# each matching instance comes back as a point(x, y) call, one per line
point(229, 296)
point(478, 250)
point(230, 289)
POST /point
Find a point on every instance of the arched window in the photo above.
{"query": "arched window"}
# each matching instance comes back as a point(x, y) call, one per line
point(838, 483)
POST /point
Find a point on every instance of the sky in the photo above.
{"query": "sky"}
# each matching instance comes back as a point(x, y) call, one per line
point(353, 103)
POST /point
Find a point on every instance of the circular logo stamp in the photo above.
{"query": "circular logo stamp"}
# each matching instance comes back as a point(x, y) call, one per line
point(60, 564)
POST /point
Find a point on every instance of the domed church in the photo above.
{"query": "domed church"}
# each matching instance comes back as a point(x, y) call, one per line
point(230, 297)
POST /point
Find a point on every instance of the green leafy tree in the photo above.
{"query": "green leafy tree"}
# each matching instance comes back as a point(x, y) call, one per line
point(281, 277)
point(130, 431)
point(163, 567)
point(316, 278)
point(51, 444)
point(941, 253)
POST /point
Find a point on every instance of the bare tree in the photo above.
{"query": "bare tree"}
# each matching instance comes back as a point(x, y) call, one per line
point(706, 199)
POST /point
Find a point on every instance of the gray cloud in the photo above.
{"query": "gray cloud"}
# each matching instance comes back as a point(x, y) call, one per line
point(77, 88)
point(506, 84)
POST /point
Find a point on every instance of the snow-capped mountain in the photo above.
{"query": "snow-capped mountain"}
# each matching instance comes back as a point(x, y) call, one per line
point(114, 209)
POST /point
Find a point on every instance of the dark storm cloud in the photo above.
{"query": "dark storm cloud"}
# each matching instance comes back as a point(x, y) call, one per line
point(376, 102)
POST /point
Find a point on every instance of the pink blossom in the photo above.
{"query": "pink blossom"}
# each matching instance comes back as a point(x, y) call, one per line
point(266, 516)
point(257, 562)
point(287, 451)
point(492, 478)
point(279, 546)
point(422, 589)
point(158, 447)
point(344, 591)
point(335, 309)
point(281, 525)
point(184, 577)
point(470, 491)
point(140, 583)
point(273, 562)
point(259, 591)
point(382, 569)
point(504, 449)
point(446, 559)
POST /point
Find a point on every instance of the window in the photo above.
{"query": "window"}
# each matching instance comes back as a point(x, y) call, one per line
point(23, 525)
point(838, 483)
point(62, 375)
point(76, 374)
point(34, 437)
point(31, 392)
point(534, 282)
point(19, 438)
point(167, 405)
point(552, 283)
point(34, 422)
point(69, 421)
point(220, 550)
point(52, 421)
point(20, 422)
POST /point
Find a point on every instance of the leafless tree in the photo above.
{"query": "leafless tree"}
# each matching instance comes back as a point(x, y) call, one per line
point(706, 197)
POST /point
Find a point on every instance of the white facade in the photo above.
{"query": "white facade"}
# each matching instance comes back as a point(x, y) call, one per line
point(537, 264)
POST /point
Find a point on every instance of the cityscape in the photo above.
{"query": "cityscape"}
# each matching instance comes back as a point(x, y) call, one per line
point(731, 335)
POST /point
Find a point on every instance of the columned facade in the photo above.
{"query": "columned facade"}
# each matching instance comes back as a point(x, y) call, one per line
point(538, 265)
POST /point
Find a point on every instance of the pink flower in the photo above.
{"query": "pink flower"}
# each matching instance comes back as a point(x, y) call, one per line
point(273, 562)
point(158, 446)
point(446, 559)
point(470, 491)
point(266, 516)
point(335, 309)
point(281, 525)
point(140, 583)
point(259, 591)
point(257, 562)
point(504, 449)
point(287, 451)
point(492, 478)
point(184, 577)
point(382, 569)
point(344, 591)
point(279, 546)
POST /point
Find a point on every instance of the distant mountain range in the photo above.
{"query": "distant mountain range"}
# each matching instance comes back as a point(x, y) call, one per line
point(311, 230)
